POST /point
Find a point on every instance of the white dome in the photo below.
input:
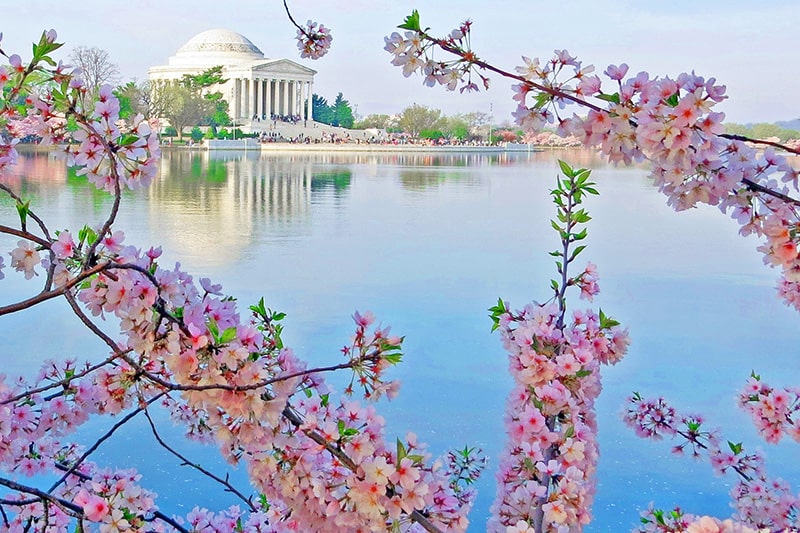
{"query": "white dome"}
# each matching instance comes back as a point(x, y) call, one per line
point(216, 47)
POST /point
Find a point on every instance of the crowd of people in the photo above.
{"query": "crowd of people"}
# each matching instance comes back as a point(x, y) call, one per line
point(288, 119)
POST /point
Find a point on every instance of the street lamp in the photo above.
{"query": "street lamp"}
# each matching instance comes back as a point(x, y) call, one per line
point(490, 123)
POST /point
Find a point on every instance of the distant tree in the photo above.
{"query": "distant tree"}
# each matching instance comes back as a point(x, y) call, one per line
point(456, 127)
point(762, 131)
point(148, 98)
point(431, 134)
point(96, 67)
point(184, 107)
point(375, 121)
point(203, 81)
point(505, 135)
point(416, 118)
point(342, 112)
point(321, 110)
point(189, 101)
point(479, 124)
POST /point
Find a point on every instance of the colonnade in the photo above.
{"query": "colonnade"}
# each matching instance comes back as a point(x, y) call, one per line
point(262, 97)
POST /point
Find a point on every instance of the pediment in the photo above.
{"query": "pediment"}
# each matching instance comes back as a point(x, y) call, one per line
point(282, 66)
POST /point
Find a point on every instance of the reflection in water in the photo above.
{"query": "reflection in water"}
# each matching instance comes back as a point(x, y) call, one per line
point(422, 179)
point(337, 181)
point(213, 204)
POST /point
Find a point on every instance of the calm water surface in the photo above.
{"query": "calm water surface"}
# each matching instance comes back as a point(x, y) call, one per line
point(428, 243)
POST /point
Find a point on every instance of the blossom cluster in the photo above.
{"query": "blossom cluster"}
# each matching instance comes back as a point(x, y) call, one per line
point(550, 459)
point(759, 501)
point(313, 40)
point(773, 411)
point(546, 471)
point(656, 521)
point(413, 51)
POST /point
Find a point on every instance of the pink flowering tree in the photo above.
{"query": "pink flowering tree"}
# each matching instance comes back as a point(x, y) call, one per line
point(546, 472)
point(316, 460)
point(671, 125)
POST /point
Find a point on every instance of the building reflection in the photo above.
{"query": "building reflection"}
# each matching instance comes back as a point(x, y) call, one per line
point(211, 206)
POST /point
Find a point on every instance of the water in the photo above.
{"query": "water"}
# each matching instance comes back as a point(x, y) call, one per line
point(428, 242)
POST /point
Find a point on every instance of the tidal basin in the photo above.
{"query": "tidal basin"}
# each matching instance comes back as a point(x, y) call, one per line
point(427, 242)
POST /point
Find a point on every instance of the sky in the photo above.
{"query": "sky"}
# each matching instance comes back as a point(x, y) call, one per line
point(751, 47)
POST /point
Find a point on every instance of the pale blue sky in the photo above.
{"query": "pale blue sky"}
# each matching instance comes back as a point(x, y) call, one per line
point(749, 46)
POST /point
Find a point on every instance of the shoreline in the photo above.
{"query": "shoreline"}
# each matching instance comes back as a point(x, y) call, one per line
point(322, 147)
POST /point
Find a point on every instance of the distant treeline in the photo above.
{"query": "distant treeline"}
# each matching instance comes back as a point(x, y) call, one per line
point(763, 131)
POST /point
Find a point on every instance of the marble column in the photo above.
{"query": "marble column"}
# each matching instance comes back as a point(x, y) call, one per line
point(246, 111)
point(268, 98)
point(309, 106)
point(285, 104)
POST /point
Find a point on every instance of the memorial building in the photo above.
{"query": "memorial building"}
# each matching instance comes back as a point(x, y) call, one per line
point(257, 88)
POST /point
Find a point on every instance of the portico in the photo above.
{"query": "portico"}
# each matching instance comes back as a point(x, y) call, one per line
point(280, 88)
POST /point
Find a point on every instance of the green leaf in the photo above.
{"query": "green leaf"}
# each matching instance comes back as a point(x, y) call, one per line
point(578, 249)
point(542, 99)
point(607, 322)
point(581, 216)
point(736, 448)
point(565, 168)
point(496, 312)
point(228, 335)
point(583, 373)
point(417, 459)
point(672, 101)
point(23, 209)
point(401, 451)
point(393, 358)
point(580, 235)
point(211, 324)
point(127, 139)
point(411, 22)
point(613, 98)
point(262, 499)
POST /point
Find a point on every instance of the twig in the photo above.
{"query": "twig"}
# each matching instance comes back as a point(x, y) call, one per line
point(48, 295)
point(24, 235)
point(228, 487)
point(743, 138)
point(61, 383)
point(102, 439)
point(75, 509)
point(291, 19)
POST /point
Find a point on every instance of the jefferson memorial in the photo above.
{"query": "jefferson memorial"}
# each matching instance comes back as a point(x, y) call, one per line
point(256, 87)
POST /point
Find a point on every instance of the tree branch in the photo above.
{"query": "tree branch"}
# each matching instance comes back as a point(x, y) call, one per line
point(48, 295)
point(228, 487)
point(743, 138)
point(107, 435)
